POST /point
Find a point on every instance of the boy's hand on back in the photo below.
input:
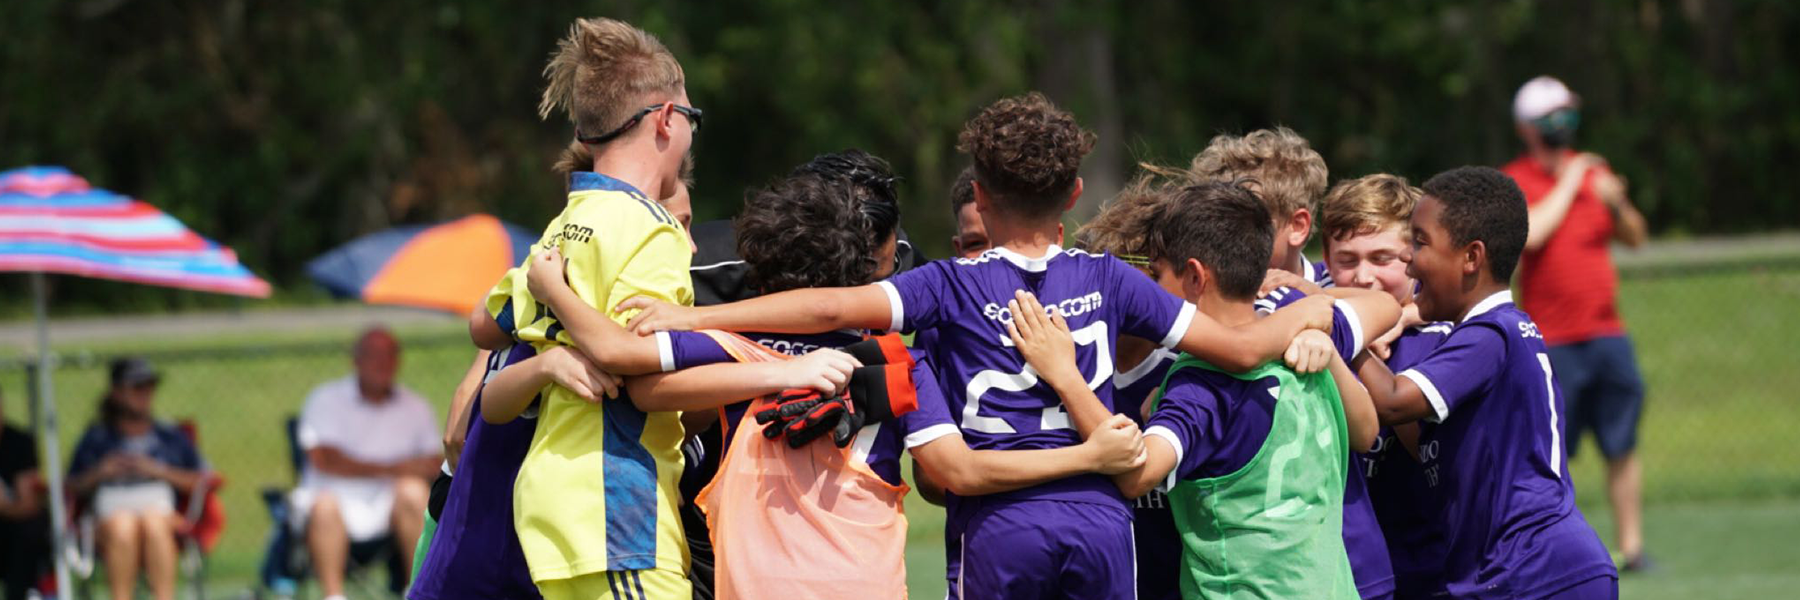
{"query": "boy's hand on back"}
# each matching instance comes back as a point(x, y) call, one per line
point(1117, 445)
point(1044, 340)
point(572, 369)
point(1310, 352)
point(545, 277)
point(658, 315)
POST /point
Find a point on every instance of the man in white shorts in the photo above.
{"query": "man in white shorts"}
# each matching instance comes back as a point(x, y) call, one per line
point(371, 447)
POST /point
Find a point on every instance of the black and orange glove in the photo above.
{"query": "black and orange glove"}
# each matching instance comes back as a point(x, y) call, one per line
point(876, 394)
point(834, 415)
point(880, 350)
point(787, 407)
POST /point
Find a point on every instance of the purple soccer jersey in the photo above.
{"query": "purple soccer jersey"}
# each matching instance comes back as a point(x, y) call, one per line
point(1397, 490)
point(880, 444)
point(999, 404)
point(1316, 273)
point(1492, 455)
point(476, 553)
point(1153, 524)
point(995, 398)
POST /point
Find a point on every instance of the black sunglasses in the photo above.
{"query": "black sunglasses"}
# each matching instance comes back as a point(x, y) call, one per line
point(693, 114)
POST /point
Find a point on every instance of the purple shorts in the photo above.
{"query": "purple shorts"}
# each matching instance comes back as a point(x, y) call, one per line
point(1048, 549)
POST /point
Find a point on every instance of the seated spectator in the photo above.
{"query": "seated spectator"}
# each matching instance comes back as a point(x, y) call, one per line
point(128, 469)
point(371, 447)
point(24, 530)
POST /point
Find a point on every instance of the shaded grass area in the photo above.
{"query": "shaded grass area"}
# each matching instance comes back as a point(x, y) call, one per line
point(1721, 474)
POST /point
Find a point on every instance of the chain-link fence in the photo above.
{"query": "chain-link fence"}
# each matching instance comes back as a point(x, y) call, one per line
point(1714, 340)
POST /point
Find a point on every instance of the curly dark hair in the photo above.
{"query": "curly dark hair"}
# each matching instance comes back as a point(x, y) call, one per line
point(810, 230)
point(867, 171)
point(1482, 203)
point(1223, 225)
point(1026, 153)
point(962, 192)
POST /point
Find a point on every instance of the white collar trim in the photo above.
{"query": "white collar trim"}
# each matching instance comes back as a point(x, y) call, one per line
point(1035, 265)
point(1489, 303)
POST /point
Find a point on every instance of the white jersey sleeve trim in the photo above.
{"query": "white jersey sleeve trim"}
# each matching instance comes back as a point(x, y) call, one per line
point(1356, 332)
point(930, 434)
point(1174, 472)
point(665, 351)
point(1183, 321)
point(894, 305)
point(1439, 409)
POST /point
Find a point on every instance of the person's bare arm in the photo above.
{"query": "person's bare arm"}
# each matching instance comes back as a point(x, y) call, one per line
point(696, 422)
point(1376, 311)
point(485, 332)
point(1242, 348)
point(462, 405)
point(712, 386)
point(929, 489)
point(331, 461)
point(1547, 214)
point(512, 389)
point(1360, 421)
point(111, 466)
point(814, 310)
point(949, 461)
point(1629, 226)
point(610, 346)
point(1159, 460)
point(1397, 400)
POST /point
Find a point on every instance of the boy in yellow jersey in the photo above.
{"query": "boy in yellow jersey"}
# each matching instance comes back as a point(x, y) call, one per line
point(596, 497)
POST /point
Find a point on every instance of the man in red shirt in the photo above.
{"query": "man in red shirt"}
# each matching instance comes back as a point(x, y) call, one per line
point(1568, 285)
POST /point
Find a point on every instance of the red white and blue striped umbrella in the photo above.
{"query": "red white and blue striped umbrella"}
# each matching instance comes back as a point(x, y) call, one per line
point(52, 221)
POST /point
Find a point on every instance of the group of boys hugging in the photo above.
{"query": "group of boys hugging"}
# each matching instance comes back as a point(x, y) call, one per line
point(1183, 406)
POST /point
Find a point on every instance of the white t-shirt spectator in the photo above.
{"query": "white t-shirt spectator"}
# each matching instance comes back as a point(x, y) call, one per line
point(336, 415)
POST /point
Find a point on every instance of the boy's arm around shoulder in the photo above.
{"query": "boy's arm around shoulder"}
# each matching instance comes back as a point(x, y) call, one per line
point(1244, 347)
point(908, 300)
point(948, 461)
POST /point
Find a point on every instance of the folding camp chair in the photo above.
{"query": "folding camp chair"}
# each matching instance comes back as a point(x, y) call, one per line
point(203, 520)
point(285, 562)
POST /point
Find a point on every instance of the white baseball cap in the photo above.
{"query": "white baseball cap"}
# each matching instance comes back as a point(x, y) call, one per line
point(1541, 96)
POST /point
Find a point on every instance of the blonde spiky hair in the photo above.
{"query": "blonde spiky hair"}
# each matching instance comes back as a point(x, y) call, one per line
point(604, 71)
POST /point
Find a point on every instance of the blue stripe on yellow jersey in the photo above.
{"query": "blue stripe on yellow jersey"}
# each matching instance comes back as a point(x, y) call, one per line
point(597, 490)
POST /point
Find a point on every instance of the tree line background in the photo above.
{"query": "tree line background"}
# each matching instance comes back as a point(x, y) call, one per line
point(285, 128)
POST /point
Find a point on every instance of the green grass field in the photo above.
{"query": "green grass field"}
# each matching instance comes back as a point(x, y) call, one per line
point(1722, 472)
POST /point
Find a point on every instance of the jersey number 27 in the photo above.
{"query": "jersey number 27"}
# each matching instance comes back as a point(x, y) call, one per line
point(1053, 416)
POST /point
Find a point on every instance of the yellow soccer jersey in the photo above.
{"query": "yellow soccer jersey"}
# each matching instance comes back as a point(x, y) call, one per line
point(598, 488)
